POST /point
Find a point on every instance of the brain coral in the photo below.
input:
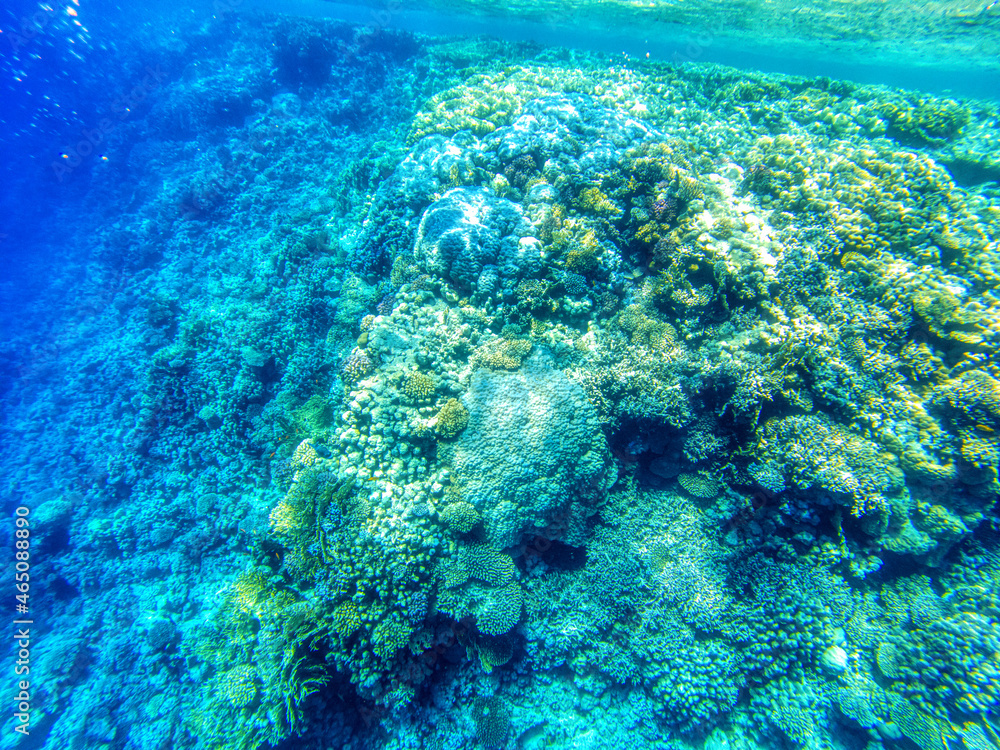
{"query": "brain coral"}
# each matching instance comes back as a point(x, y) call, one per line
point(469, 233)
point(533, 454)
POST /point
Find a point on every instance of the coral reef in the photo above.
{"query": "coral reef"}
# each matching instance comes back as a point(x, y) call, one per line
point(448, 394)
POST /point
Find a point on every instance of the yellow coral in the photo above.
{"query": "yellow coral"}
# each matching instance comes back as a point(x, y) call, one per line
point(286, 518)
point(346, 619)
point(247, 590)
point(926, 731)
point(238, 686)
point(503, 354)
point(977, 394)
point(452, 419)
point(418, 385)
point(305, 454)
point(582, 258)
point(643, 329)
point(648, 233)
point(592, 199)
point(481, 104)
point(979, 451)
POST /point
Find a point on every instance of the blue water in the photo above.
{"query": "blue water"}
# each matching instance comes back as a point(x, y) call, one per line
point(465, 375)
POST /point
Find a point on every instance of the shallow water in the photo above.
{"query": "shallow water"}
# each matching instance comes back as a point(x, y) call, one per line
point(930, 46)
point(622, 377)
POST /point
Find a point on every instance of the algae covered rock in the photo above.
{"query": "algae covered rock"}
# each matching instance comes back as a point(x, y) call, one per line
point(533, 454)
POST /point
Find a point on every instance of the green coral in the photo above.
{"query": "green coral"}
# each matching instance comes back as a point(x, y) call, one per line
point(494, 651)
point(979, 451)
point(487, 564)
point(238, 686)
point(346, 619)
point(786, 636)
point(247, 706)
point(818, 452)
point(796, 709)
point(695, 686)
point(927, 732)
point(492, 719)
point(389, 636)
point(501, 610)
point(926, 120)
point(461, 517)
point(481, 104)
point(699, 485)
point(951, 667)
point(480, 581)
point(315, 416)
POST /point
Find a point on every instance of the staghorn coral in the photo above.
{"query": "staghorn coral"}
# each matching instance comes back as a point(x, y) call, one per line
point(788, 637)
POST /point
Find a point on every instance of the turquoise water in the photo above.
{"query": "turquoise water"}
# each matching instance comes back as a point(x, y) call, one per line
point(456, 375)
